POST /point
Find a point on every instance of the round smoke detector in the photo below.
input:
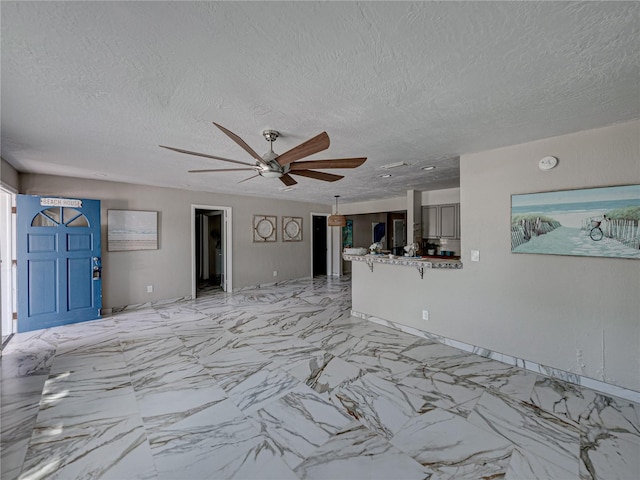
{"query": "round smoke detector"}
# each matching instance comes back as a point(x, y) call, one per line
point(547, 163)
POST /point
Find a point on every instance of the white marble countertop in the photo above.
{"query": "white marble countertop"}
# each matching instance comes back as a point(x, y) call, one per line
point(417, 262)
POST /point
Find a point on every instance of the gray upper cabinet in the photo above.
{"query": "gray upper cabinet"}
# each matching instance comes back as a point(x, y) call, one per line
point(441, 221)
point(449, 221)
point(430, 222)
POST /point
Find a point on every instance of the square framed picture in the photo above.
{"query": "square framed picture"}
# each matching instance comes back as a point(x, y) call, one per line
point(291, 229)
point(264, 228)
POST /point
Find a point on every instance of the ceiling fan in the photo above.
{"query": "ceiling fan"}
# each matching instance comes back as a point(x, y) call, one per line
point(272, 165)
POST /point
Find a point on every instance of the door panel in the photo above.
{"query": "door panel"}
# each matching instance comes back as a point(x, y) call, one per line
point(43, 291)
point(59, 268)
point(42, 243)
point(80, 242)
point(79, 271)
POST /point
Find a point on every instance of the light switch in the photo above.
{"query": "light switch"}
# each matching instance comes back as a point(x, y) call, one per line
point(475, 255)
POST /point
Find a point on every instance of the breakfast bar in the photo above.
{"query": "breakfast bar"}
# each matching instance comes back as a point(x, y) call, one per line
point(419, 263)
point(383, 288)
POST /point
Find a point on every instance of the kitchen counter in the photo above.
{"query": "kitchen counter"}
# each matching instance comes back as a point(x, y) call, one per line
point(420, 263)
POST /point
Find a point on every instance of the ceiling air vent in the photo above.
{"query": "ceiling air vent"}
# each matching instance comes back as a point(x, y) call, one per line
point(389, 166)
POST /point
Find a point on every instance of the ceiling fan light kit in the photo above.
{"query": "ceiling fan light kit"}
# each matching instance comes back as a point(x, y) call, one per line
point(272, 165)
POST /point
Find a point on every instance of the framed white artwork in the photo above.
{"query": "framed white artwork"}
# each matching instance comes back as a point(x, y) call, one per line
point(264, 228)
point(132, 230)
point(291, 229)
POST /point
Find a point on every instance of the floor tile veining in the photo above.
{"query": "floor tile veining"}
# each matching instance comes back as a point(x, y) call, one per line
point(281, 382)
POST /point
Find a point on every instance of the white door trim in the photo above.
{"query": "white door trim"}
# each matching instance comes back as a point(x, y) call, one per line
point(8, 274)
point(227, 245)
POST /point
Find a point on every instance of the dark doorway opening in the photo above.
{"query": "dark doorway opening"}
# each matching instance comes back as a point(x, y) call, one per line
point(209, 251)
point(319, 246)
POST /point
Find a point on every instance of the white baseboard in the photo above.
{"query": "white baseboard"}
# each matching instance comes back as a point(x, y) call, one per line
point(574, 378)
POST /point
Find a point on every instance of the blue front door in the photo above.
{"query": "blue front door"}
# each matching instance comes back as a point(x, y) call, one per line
point(59, 261)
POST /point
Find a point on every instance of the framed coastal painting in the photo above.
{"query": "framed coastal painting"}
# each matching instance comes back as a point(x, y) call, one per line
point(132, 230)
point(590, 222)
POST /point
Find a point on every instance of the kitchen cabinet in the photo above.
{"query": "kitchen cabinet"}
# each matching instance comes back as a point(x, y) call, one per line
point(430, 222)
point(441, 221)
point(448, 220)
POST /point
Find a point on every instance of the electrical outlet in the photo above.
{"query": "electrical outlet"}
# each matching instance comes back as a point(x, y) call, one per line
point(275, 273)
point(425, 314)
point(475, 255)
point(149, 288)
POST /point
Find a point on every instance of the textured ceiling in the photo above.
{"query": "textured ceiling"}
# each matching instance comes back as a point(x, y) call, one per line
point(90, 89)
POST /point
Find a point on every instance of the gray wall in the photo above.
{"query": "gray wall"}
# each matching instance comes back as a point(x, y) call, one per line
point(168, 269)
point(362, 236)
point(9, 175)
point(577, 314)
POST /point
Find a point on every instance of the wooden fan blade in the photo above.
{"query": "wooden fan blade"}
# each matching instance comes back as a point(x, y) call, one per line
point(222, 170)
point(327, 177)
point(240, 142)
point(330, 163)
point(287, 180)
point(254, 176)
point(179, 150)
point(313, 145)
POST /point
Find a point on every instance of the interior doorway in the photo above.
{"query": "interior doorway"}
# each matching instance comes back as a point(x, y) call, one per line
point(319, 245)
point(211, 254)
point(398, 232)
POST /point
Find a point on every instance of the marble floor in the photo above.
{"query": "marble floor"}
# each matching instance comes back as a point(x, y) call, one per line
point(281, 383)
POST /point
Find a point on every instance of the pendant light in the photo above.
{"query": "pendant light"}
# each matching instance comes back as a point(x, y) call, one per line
point(336, 220)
